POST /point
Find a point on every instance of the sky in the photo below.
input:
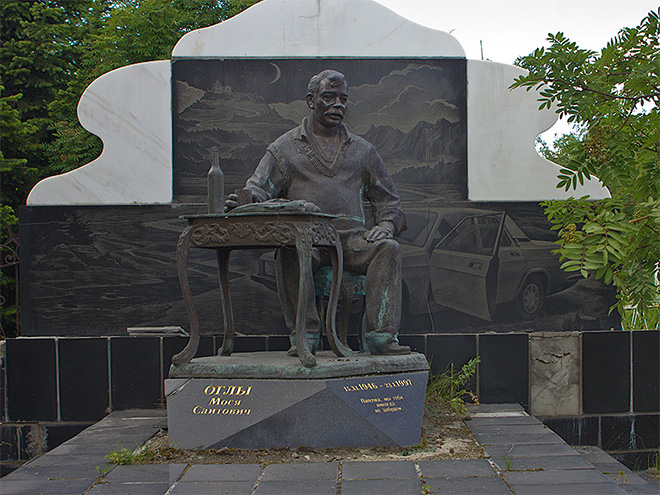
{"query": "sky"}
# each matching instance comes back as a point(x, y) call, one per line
point(512, 28)
point(507, 29)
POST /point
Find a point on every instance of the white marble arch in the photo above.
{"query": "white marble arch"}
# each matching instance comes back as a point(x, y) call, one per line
point(130, 108)
point(503, 125)
point(318, 28)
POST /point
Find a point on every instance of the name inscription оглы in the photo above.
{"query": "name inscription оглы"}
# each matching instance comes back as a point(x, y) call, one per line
point(228, 406)
point(385, 404)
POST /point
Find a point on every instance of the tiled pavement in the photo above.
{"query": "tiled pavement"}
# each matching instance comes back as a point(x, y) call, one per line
point(525, 458)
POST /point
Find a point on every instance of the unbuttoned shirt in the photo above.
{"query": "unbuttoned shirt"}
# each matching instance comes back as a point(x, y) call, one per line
point(294, 169)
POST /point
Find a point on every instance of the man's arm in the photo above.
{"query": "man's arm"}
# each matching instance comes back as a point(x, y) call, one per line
point(385, 201)
point(265, 183)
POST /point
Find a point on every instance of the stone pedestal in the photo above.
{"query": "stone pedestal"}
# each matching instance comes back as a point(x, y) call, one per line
point(262, 400)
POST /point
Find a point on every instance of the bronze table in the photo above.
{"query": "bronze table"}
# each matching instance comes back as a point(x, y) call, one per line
point(227, 231)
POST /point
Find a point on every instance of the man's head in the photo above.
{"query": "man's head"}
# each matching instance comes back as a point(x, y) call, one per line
point(327, 94)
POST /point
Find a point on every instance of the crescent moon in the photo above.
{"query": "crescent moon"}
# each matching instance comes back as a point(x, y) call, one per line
point(278, 73)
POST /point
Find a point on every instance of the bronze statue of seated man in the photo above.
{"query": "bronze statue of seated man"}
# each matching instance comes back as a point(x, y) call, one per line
point(321, 162)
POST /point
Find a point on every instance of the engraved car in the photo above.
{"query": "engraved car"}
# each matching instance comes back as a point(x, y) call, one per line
point(469, 260)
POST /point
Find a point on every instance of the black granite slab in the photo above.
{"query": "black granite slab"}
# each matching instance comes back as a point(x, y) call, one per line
point(504, 368)
point(135, 372)
point(31, 380)
point(582, 430)
point(646, 371)
point(84, 384)
point(377, 410)
point(606, 372)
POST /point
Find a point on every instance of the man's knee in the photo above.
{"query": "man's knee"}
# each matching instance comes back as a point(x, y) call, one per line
point(389, 247)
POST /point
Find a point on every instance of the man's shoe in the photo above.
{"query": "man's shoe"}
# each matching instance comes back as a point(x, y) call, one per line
point(391, 348)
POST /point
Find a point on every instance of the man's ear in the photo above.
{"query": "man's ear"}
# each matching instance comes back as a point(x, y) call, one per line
point(310, 100)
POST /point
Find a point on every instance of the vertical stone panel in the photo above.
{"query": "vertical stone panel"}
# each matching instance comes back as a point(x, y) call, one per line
point(555, 373)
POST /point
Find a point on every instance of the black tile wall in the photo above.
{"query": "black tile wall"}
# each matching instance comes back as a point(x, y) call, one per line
point(441, 350)
point(8, 442)
point(580, 430)
point(646, 371)
point(504, 368)
point(417, 343)
point(2, 389)
point(83, 378)
point(606, 372)
point(31, 441)
point(135, 372)
point(280, 343)
point(174, 345)
point(636, 461)
point(618, 433)
point(31, 380)
point(256, 343)
point(6, 468)
point(647, 429)
point(445, 349)
point(57, 434)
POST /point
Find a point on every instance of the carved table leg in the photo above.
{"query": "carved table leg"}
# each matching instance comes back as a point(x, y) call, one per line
point(182, 250)
point(304, 251)
point(227, 315)
point(336, 344)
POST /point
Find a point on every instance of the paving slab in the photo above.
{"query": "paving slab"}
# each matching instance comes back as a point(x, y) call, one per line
point(566, 489)
point(572, 476)
point(513, 438)
point(80, 472)
point(528, 468)
point(529, 450)
point(159, 473)
point(498, 428)
point(380, 487)
point(43, 486)
point(301, 472)
point(553, 462)
point(129, 489)
point(456, 469)
point(297, 488)
point(503, 420)
point(209, 487)
point(222, 472)
point(379, 470)
point(463, 486)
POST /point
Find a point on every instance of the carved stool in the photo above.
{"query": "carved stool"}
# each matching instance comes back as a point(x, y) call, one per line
point(351, 285)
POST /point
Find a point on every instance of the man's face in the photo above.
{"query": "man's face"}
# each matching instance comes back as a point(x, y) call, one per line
point(329, 104)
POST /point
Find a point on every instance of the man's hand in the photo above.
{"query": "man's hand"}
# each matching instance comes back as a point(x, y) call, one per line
point(231, 202)
point(385, 230)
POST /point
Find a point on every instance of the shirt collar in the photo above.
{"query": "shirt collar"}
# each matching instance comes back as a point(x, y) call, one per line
point(305, 131)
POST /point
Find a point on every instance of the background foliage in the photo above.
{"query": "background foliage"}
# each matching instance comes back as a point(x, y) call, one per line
point(612, 98)
point(50, 51)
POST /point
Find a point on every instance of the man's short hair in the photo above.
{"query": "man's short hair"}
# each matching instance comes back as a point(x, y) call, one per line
point(335, 78)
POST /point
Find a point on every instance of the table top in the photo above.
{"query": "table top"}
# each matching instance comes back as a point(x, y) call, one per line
point(269, 213)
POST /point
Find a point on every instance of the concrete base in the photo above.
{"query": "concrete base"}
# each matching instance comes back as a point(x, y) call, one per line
point(374, 408)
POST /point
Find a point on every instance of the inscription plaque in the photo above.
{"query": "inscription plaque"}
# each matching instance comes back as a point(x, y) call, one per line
point(379, 410)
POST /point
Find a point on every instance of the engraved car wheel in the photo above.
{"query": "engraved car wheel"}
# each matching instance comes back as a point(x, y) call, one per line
point(531, 297)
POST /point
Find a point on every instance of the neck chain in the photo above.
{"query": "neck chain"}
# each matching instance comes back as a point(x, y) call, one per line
point(319, 149)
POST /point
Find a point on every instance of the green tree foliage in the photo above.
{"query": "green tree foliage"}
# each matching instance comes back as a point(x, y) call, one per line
point(612, 98)
point(50, 51)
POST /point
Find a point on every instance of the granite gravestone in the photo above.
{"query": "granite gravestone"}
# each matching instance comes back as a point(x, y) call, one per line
point(300, 408)
point(212, 402)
